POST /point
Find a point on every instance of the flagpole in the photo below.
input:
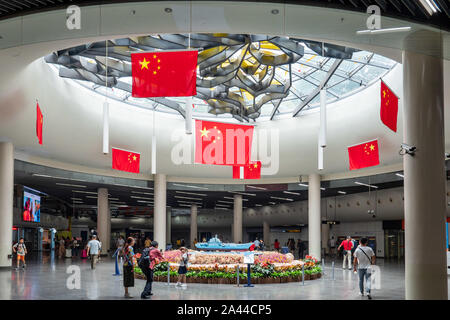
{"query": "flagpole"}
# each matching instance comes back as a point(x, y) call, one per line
point(153, 144)
point(106, 107)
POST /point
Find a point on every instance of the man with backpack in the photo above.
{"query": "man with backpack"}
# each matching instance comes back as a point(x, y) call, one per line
point(347, 244)
point(150, 257)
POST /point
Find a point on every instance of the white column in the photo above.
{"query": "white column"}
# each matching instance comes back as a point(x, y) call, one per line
point(266, 235)
point(103, 219)
point(159, 220)
point(193, 225)
point(237, 219)
point(169, 225)
point(6, 201)
point(314, 218)
point(424, 173)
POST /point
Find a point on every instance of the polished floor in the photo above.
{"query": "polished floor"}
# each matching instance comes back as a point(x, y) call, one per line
point(47, 277)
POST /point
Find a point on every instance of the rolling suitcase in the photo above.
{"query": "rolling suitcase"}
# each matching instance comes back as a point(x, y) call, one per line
point(84, 254)
point(68, 253)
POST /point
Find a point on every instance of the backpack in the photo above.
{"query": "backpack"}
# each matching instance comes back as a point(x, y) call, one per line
point(144, 260)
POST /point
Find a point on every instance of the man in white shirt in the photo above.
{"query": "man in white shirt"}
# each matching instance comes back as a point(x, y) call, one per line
point(93, 249)
point(364, 258)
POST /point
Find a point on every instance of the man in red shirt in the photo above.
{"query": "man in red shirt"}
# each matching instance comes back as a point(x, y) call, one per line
point(347, 244)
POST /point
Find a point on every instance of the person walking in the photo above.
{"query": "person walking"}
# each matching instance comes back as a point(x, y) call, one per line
point(182, 269)
point(276, 245)
point(93, 250)
point(347, 244)
point(261, 245)
point(128, 266)
point(62, 248)
point(301, 248)
point(257, 244)
point(21, 250)
point(75, 247)
point(332, 244)
point(364, 257)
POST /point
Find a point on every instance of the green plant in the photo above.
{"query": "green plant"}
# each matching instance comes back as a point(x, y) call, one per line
point(162, 266)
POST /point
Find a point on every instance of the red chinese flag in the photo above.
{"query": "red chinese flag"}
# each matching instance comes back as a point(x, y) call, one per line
point(222, 143)
point(389, 107)
point(164, 74)
point(39, 123)
point(125, 160)
point(364, 155)
point(250, 171)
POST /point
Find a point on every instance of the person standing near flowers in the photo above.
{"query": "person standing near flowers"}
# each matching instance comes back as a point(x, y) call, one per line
point(182, 270)
point(128, 266)
point(155, 258)
point(276, 245)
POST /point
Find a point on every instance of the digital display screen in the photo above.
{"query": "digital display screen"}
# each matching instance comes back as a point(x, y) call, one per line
point(31, 207)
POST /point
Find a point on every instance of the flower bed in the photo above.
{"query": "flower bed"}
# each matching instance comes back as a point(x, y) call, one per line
point(261, 272)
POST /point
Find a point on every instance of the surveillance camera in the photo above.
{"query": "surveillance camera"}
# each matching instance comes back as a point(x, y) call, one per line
point(447, 156)
point(407, 149)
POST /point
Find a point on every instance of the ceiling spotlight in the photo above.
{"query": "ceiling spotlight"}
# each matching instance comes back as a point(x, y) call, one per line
point(168, 10)
point(275, 11)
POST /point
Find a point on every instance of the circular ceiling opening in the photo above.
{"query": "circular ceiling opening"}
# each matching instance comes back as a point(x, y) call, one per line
point(240, 76)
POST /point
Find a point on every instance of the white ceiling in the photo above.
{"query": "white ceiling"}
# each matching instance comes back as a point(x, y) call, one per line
point(73, 115)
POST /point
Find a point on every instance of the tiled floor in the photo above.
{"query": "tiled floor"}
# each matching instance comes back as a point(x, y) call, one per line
point(46, 278)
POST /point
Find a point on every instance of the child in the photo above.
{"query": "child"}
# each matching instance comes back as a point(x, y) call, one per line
point(21, 251)
point(182, 270)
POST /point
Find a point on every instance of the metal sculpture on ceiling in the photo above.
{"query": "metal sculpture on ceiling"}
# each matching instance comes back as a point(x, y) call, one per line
point(237, 73)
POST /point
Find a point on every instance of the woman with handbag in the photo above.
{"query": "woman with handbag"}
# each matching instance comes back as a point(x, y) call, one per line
point(128, 266)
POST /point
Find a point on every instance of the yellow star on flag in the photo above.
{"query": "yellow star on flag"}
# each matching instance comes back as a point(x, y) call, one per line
point(372, 147)
point(204, 132)
point(134, 158)
point(144, 64)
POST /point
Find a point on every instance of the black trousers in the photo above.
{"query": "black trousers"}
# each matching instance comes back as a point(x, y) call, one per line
point(148, 285)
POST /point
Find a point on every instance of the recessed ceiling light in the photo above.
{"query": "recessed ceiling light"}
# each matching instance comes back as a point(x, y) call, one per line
point(140, 192)
point(342, 192)
point(365, 184)
point(223, 201)
point(272, 202)
point(286, 199)
point(70, 185)
point(243, 193)
point(258, 205)
point(275, 11)
point(233, 198)
point(323, 189)
point(290, 192)
point(189, 186)
point(303, 184)
point(399, 175)
point(192, 193)
point(145, 198)
point(87, 192)
point(254, 187)
point(189, 198)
